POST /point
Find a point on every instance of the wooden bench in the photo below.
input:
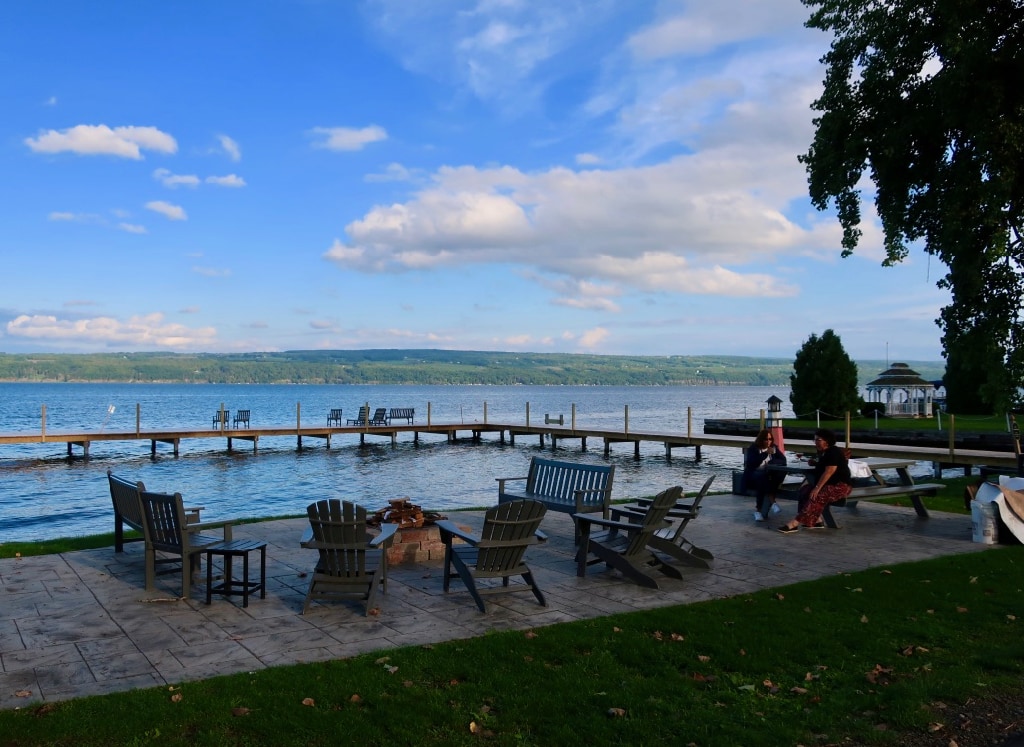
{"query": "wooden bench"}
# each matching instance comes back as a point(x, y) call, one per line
point(125, 495)
point(873, 492)
point(408, 414)
point(564, 486)
point(334, 417)
point(241, 417)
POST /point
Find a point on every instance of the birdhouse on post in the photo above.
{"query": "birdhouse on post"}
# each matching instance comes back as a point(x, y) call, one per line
point(773, 421)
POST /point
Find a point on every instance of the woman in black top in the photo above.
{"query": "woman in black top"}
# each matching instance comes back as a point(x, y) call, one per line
point(831, 483)
point(756, 476)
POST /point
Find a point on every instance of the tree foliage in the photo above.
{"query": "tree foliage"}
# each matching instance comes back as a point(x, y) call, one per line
point(926, 97)
point(824, 378)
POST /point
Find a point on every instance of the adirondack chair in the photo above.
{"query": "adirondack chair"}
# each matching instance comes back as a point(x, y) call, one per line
point(352, 562)
point(361, 418)
point(380, 416)
point(671, 540)
point(509, 528)
point(167, 531)
point(241, 418)
point(623, 544)
point(334, 418)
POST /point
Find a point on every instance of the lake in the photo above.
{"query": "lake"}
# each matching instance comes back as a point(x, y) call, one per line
point(44, 494)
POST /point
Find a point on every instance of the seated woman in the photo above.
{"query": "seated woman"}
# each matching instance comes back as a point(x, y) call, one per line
point(756, 475)
point(830, 483)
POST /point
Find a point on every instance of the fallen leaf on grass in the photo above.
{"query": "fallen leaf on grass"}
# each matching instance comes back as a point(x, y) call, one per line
point(886, 572)
point(23, 693)
point(407, 683)
point(703, 658)
point(616, 712)
point(390, 669)
point(356, 698)
point(961, 609)
point(798, 690)
point(1011, 618)
point(808, 677)
point(530, 634)
point(176, 698)
point(863, 618)
point(240, 711)
point(677, 637)
point(382, 660)
point(936, 727)
point(308, 702)
point(616, 629)
point(749, 688)
point(974, 580)
point(780, 597)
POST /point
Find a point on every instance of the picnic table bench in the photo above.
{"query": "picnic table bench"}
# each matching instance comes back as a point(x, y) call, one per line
point(567, 487)
point(408, 414)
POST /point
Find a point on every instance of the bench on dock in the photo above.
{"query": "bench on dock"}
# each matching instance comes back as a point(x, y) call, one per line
point(874, 492)
point(334, 418)
point(241, 417)
point(408, 414)
point(564, 486)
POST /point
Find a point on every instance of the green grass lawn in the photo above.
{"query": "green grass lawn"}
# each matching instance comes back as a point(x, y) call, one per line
point(863, 656)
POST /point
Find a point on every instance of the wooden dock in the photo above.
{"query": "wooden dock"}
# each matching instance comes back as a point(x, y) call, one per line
point(546, 434)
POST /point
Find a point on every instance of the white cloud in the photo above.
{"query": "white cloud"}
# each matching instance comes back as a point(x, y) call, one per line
point(165, 177)
point(587, 159)
point(124, 142)
point(593, 338)
point(347, 138)
point(230, 148)
point(211, 272)
point(145, 331)
point(166, 209)
point(230, 180)
point(688, 225)
point(52, 101)
point(131, 228)
point(394, 172)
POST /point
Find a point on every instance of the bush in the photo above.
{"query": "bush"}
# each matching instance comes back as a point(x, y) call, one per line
point(870, 408)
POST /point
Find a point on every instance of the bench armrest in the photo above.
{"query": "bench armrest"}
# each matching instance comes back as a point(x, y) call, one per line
point(503, 480)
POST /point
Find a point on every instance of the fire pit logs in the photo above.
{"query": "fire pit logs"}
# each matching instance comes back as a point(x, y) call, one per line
point(406, 514)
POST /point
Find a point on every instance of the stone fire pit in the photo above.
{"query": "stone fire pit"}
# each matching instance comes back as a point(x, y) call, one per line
point(418, 538)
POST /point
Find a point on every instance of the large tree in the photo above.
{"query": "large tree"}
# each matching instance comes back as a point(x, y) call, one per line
point(926, 96)
point(824, 378)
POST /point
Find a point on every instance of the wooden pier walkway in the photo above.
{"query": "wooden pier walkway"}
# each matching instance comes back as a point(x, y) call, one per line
point(546, 434)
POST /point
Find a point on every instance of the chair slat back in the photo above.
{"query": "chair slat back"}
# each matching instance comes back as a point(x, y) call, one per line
point(509, 528)
point(125, 497)
point(652, 521)
point(339, 528)
point(165, 520)
point(548, 477)
point(694, 509)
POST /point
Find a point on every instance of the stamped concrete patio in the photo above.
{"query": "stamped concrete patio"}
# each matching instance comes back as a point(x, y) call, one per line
point(81, 623)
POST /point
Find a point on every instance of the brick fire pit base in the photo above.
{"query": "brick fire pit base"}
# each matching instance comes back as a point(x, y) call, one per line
point(416, 545)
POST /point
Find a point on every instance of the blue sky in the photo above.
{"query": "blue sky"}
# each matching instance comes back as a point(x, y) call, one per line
point(601, 176)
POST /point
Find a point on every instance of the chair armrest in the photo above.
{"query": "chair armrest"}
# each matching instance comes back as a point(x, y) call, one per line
point(192, 514)
point(307, 537)
point(449, 528)
point(541, 536)
point(223, 525)
point(386, 537)
point(503, 480)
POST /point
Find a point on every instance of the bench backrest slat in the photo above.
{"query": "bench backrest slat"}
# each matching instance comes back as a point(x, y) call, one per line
point(561, 480)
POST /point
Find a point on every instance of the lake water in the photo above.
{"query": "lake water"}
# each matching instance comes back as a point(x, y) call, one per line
point(44, 494)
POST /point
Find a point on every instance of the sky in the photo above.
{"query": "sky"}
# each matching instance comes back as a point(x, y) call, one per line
point(576, 176)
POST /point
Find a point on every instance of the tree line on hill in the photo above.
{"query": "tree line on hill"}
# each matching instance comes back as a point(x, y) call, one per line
point(423, 367)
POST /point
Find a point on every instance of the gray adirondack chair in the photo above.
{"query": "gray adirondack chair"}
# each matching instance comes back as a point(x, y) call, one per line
point(509, 529)
point(623, 545)
point(352, 562)
point(672, 541)
point(167, 531)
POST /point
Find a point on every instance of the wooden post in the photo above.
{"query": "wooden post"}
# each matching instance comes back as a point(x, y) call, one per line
point(527, 414)
point(485, 412)
point(428, 414)
point(44, 423)
point(626, 423)
point(138, 418)
point(574, 424)
point(689, 422)
point(847, 429)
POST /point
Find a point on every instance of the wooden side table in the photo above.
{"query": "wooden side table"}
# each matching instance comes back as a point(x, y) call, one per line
point(230, 586)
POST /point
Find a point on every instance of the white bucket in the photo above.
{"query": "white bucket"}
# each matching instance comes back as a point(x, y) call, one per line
point(984, 528)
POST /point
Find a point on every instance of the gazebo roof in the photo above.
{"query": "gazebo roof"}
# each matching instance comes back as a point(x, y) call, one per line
point(900, 376)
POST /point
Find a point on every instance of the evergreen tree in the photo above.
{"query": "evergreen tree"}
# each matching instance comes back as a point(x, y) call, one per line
point(824, 378)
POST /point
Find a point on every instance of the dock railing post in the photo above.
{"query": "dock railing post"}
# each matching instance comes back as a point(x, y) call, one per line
point(43, 423)
point(625, 427)
point(485, 412)
point(298, 416)
point(689, 422)
point(138, 418)
point(223, 420)
point(574, 416)
point(527, 414)
point(428, 414)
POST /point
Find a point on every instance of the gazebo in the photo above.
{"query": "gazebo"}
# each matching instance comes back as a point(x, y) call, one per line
point(903, 392)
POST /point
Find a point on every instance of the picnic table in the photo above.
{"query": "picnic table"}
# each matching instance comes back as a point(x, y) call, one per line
point(883, 489)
